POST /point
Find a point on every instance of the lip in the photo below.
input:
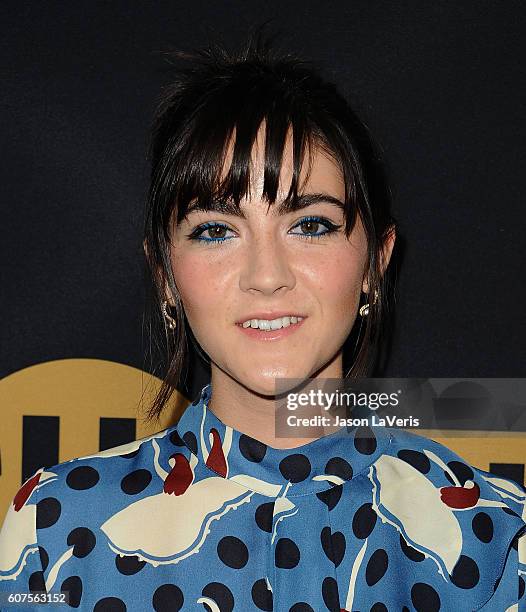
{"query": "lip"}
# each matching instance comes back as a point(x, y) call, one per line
point(275, 334)
point(269, 315)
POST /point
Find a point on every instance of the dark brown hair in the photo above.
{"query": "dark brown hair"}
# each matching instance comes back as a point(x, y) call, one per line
point(216, 91)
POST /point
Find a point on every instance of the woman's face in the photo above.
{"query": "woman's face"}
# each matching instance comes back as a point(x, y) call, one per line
point(268, 264)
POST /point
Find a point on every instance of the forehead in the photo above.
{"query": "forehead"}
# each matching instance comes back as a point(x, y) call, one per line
point(320, 172)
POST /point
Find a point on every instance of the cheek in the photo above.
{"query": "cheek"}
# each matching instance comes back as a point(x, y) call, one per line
point(198, 281)
point(339, 280)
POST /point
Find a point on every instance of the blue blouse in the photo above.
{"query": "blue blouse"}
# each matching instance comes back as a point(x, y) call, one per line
point(200, 516)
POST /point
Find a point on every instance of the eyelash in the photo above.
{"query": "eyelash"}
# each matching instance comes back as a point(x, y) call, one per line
point(331, 228)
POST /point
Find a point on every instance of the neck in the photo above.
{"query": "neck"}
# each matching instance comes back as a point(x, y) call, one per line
point(252, 413)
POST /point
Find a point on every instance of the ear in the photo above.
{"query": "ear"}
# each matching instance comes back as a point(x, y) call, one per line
point(387, 251)
point(167, 293)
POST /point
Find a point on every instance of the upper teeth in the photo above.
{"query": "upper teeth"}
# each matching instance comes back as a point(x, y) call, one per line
point(274, 324)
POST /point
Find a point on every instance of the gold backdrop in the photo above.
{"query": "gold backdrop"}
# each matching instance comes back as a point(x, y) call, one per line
point(83, 395)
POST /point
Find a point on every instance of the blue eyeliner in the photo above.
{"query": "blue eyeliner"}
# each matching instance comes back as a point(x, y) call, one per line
point(331, 227)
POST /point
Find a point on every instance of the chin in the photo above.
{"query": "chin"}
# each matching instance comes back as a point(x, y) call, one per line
point(266, 384)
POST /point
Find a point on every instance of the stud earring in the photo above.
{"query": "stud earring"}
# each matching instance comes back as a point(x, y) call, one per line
point(364, 310)
point(172, 323)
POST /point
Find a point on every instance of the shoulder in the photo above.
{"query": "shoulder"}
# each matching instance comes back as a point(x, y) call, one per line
point(444, 467)
point(469, 521)
point(66, 503)
point(53, 490)
point(102, 471)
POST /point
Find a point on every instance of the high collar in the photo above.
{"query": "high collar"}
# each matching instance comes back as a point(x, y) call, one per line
point(307, 469)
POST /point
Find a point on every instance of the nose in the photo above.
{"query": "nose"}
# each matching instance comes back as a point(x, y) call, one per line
point(267, 267)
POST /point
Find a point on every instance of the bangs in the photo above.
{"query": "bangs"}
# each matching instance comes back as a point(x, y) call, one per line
point(195, 174)
point(213, 113)
point(200, 165)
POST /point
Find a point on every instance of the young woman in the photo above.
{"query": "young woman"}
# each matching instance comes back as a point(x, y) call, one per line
point(269, 243)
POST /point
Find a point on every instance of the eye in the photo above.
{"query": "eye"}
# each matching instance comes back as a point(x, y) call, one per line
point(215, 229)
point(313, 223)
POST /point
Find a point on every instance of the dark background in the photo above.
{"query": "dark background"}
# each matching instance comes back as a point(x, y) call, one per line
point(440, 84)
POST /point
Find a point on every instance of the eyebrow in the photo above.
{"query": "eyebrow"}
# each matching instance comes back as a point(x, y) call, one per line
point(228, 206)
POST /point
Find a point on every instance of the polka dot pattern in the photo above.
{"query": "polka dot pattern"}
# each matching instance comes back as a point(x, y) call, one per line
point(44, 557)
point(263, 516)
point(330, 497)
point(129, 565)
point(363, 521)
point(301, 606)
point(110, 604)
point(233, 552)
point(135, 482)
point(287, 553)
point(425, 598)
point(482, 526)
point(251, 449)
point(82, 540)
point(333, 545)
point(337, 466)
point(262, 595)
point(176, 439)
point(48, 512)
point(410, 552)
point(36, 582)
point(329, 590)
point(418, 460)
point(461, 470)
point(168, 598)
point(82, 477)
point(295, 468)
point(201, 516)
point(72, 586)
point(365, 441)
point(221, 595)
point(190, 439)
point(376, 567)
point(465, 573)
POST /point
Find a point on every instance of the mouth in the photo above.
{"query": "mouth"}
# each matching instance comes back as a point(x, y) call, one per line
point(270, 315)
point(275, 329)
